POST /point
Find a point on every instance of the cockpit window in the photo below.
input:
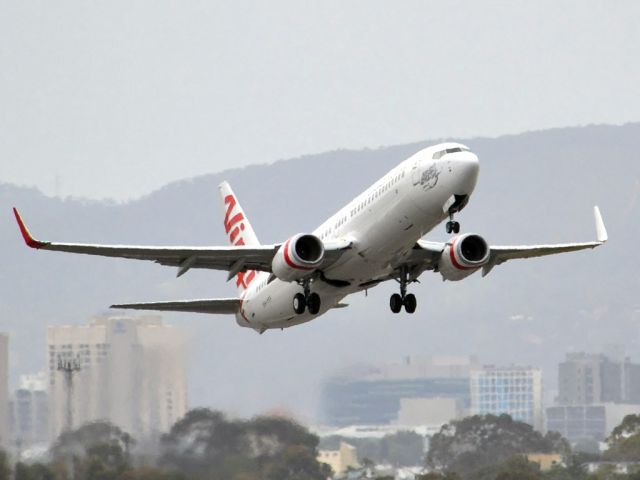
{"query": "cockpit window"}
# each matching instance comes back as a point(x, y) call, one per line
point(439, 154)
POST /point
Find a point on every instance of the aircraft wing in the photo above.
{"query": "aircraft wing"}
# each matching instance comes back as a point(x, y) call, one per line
point(233, 259)
point(217, 305)
point(428, 253)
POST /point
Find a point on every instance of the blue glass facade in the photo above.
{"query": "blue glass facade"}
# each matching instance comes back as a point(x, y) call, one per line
point(514, 391)
point(377, 402)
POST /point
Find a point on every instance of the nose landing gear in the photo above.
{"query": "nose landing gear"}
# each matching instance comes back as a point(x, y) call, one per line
point(452, 226)
point(459, 202)
point(307, 300)
point(408, 300)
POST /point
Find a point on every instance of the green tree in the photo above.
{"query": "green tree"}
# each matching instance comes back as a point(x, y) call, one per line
point(95, 451)
point(5, 469)
point(81, 441)
point(518, 468)
point(150, 473)
point(205, 444)
point(438, 476)
point(624, 441)
point(484, 441)
point(402, 449)
point(295, 463)
point(35, 471)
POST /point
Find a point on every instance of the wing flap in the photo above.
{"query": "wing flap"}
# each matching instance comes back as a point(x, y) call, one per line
point(216, 305)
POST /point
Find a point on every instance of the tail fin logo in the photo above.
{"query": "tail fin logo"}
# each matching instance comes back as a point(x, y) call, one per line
point(234, 226)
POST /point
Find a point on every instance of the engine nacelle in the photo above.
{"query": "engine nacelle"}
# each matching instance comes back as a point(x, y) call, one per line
point(298, 257)
point(463, 256)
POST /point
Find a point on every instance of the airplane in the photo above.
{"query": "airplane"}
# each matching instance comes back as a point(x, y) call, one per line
point(374, 238)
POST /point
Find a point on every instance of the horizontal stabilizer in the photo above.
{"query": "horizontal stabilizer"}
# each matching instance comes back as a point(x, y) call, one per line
point(217, 305)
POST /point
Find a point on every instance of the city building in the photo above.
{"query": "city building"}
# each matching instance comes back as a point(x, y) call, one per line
point(579, 379)
point(4, 390)
point(588, 379)
point(631, 383)
point(392, 394)
point(579, 423)
point(546, 461)
point(340, 460)
point(516, 391)
point(595, 392)
point(375, 431)
point(429, 411)
point(30, 412)
point(129, 371)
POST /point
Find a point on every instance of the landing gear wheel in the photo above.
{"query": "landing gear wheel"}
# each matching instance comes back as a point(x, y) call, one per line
point(395, 302)
point(410, 303)
point(453, 227)
point(299, 303)
point(313, 303)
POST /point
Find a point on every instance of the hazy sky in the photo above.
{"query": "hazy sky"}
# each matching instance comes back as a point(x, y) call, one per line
point(118, 98)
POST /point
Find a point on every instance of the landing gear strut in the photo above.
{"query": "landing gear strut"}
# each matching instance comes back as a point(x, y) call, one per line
point(452, 226)
point(307, 300)
point(398, 300)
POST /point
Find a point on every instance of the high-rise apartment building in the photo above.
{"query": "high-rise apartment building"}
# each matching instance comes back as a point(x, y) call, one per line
point(579, 379)
point(30, 412)
point(4, 390)
point(516, 391)
point(131, 372)
point(595, 392)
point(592, 379)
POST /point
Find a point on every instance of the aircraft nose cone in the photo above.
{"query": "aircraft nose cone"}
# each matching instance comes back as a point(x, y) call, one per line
point(467, 160)
point(466, 167)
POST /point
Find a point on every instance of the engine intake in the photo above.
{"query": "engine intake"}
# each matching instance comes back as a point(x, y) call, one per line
point(462, 256)
point(297, 257)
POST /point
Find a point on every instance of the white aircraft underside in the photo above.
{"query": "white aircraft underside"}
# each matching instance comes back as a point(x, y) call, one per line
point(375, 238)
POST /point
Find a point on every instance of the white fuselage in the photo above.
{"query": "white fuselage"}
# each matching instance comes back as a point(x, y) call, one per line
point(383, 224)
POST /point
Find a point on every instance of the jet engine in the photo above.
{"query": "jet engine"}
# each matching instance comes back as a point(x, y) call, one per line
point(463, 255)
point(297, 257)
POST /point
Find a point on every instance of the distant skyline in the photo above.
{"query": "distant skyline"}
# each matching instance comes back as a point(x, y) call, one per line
point(117, 99)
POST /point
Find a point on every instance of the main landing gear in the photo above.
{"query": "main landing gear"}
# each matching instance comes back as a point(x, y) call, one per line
point(306, 301)
point(398, 300)
point(452, 226)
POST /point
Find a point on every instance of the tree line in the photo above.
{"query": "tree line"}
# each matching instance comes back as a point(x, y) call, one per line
point(207, 445)
point(204, 445)
point(490, 447)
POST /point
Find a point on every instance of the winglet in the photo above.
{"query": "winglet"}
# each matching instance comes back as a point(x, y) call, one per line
point(601, 231)
point(28, 239)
